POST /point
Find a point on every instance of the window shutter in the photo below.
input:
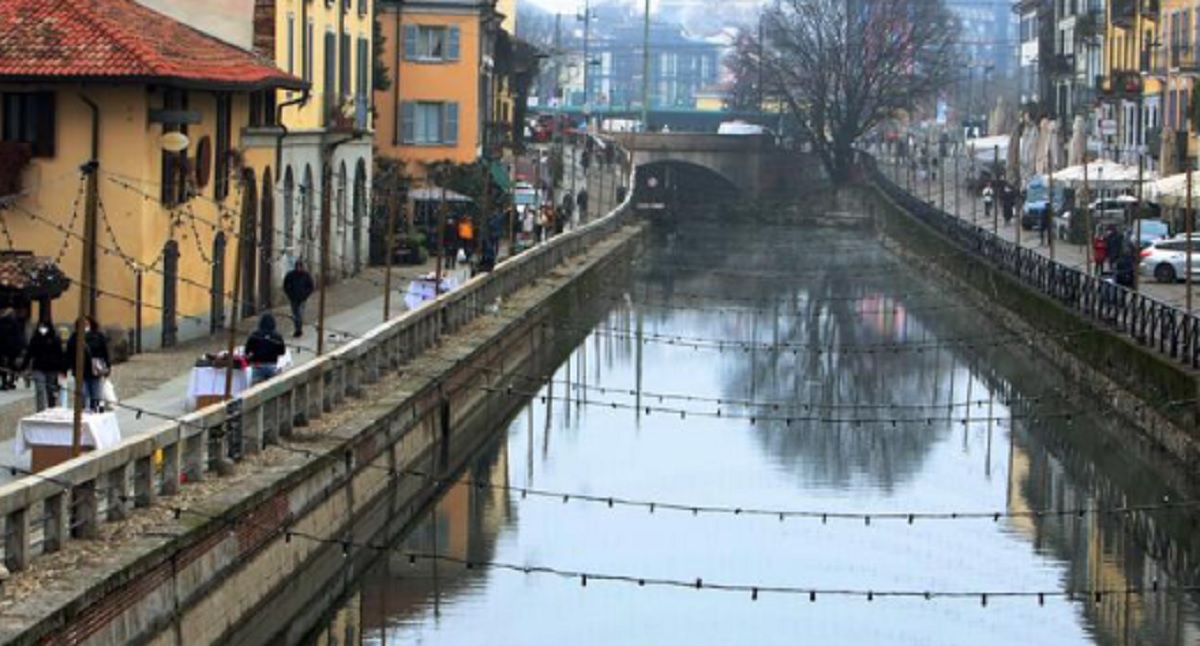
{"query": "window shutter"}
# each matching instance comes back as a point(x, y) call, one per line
point(450, 134)
point(410, 42)
point(452, 44)
point(408, 122)
point(44, 140)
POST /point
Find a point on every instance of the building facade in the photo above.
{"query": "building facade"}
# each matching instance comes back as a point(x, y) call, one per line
point(439, 53)
point(157, 113)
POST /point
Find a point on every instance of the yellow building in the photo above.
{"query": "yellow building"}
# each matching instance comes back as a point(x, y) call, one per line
point(438, 53)
point(1178, 36)
point(103, 82)
point(329, 45)
point(1130, 57)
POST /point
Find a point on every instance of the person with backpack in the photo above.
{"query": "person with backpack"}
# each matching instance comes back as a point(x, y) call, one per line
point(298, 286)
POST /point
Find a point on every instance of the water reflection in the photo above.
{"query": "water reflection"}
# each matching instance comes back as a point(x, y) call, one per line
point(959, 458)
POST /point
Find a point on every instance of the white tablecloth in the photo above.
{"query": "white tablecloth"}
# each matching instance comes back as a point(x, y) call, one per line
point(209, 382)
point(55, 427)
point(421, 290)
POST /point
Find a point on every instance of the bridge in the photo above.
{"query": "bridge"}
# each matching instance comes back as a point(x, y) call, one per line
point(684, 167)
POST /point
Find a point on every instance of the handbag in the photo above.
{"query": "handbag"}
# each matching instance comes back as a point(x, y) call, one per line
point(99, 367)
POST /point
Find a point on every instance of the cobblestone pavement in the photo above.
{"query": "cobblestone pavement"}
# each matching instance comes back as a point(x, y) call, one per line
point(948, 190)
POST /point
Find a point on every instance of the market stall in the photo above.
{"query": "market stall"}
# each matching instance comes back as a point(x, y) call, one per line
point(50, 433)
point(206, 384)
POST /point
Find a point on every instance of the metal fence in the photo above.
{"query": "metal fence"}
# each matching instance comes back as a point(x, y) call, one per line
point(1151, 322)
point(40, 513)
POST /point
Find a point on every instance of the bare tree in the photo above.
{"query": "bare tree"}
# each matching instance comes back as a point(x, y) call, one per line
point(843, 66)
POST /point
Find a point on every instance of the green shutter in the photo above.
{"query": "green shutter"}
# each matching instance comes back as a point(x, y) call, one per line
point(452, 45)
point(410, 42)
point(408, 122)
point(450, 134)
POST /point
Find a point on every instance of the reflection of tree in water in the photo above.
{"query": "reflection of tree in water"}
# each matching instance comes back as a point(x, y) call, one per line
point(818, 309)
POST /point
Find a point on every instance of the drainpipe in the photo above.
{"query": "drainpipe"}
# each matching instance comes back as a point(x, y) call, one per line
point(283, 129)
point(399, 45)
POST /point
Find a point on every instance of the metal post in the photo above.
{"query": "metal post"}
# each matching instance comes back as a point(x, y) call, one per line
point(955, 187)
point(441, 238)
point(1087, 222)
point(995, 197)
point(326, 189)
point(1188, 226)
point(1048, 219)
point(1137, 223)
point(390, 246)
point(646, 70)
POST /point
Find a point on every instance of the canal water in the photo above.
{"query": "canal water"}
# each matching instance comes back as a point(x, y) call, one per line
point(792, 370)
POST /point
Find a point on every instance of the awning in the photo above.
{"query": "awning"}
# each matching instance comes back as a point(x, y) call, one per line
point(500, 176)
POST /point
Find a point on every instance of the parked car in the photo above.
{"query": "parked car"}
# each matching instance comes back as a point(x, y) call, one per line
point(1166, 260)
point(1150, 230)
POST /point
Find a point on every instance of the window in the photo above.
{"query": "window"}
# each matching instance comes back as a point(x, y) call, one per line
point(332, 104)
point(310, 42)
point(262, 109)
point(362, 7)
point(29, 119)
point(174, 165)
point(344, 67)
point(362, 81)
point(222, 146)
point(427, 123)
point(291, 43)
point(431, 43)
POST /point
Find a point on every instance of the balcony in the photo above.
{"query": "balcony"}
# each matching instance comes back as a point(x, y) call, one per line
point(348, 116)
point(1060, 65)
point(1125, 12)
point(1185, 60)
point(14, 157)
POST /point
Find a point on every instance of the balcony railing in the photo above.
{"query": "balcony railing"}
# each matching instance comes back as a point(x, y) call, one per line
point(1125, 12)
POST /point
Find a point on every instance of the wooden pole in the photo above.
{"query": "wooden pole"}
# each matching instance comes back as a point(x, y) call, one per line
point(995, 174)
point(1137, 223)
point(1087, 222)
point(441, 239)
point(1051, 229)
point(326, 207)
point(1188, 226)
point(390, 246)
point(91, 207)
point(236, 306)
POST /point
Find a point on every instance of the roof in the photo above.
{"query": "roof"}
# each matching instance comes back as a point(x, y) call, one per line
point(122, 41)
point(23, 274)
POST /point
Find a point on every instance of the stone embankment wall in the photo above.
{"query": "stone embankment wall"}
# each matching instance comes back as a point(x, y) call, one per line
point(231, 558)
point(1105, 370)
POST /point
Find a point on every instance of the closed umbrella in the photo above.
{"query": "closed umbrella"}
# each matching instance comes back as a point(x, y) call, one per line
point(1013, 172)
point(1167, 164)
point(1078, 149)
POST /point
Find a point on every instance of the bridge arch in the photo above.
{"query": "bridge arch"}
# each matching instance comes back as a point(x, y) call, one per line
point(673, 184)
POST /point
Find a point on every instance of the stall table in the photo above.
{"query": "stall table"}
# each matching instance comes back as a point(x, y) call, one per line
point(50, 433)
point(206, 385)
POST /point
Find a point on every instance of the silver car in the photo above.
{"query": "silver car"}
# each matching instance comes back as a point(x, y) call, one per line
point(1166, 260)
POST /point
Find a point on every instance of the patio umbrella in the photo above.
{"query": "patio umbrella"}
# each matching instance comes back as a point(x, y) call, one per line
point(1077, 154)
point(1000, 121)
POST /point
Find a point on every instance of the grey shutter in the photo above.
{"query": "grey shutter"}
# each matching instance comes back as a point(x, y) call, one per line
point(408, 122)
point(452, 45)
point(410, 42)
point(450, 134)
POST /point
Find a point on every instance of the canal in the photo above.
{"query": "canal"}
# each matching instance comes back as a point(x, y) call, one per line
point(846, 429)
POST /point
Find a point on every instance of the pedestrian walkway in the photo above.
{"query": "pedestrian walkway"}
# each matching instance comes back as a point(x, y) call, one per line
point(949, 192)
point(158, 381)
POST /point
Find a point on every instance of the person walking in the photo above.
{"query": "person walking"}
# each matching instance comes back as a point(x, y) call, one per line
point(581, 201)
point(12, 344)
point(989, 197)
point(298, 285)
point(263, 349)
point(95, 363)
point(1114, 244)
point(46, 362)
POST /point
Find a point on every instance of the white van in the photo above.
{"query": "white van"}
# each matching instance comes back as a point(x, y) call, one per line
point(742, 128)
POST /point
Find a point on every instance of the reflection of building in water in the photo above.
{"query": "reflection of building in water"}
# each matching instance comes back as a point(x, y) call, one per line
point(344, 628)
point(1099, 552)
point(465, 525)
point(887, 316)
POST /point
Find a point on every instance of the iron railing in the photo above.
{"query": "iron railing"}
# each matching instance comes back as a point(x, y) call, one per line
point(1148, 321)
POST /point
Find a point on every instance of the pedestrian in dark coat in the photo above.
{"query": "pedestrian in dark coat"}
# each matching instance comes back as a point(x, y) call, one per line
point(263, 349)
point(12, 345)
point(46, 362)
point(298, 286)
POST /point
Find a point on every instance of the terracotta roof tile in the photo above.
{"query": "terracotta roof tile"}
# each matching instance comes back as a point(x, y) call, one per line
point(117, 40)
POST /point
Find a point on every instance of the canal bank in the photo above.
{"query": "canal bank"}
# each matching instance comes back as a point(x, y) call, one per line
point(196, 563)
point(1155, 395)
point(848, 382)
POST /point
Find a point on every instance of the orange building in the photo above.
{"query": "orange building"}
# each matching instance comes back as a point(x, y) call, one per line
point(437, 52)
